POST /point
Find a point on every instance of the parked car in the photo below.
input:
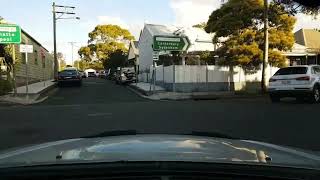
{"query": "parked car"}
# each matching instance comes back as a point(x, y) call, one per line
point(300, 82)
point(92, 74)
point(102, 74)
point(83, 74)
point(70, 76)
point(125, 75)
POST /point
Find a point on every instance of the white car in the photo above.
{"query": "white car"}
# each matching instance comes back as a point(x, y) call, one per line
point(296, 81)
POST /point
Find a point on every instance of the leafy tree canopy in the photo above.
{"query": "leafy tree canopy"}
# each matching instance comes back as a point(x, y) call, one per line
point(201, 25)
point(116, 59)
point(103, 41)
point(241, 23)
point(311, 7)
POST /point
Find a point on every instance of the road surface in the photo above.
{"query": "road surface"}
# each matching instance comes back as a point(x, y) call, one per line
point(100, 105)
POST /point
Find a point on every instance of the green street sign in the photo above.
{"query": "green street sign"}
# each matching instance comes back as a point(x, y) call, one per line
point(10, 34)
point(170, 43)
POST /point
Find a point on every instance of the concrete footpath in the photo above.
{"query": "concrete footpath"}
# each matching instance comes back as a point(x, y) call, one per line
point(35, 91)
point(143, 90)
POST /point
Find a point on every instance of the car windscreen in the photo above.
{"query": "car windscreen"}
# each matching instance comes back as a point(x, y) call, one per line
point(292, 70)
point(68, 73)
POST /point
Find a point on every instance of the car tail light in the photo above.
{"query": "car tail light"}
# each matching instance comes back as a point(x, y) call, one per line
point(304, 78)
point(272, 80)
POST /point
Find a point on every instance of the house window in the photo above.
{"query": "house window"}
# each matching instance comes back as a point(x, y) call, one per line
point(35, 57)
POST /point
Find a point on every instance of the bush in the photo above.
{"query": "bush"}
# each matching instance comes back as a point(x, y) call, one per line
point(5, 87)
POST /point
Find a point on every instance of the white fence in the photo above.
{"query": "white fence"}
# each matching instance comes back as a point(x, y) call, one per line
point(197, 78)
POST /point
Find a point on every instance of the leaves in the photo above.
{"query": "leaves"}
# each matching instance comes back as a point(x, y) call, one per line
point(104, 40)
point(116, 59)
point(241, 21)
point(310, 7)
point(109, 33)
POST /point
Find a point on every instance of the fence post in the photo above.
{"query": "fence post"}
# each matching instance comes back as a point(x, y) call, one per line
point(207, 78)
point(174, 79)
point(163, 75)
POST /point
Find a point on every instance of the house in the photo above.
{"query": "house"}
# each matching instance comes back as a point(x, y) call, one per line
point(299, 55)
point(200, 41)
point(310, 38)
point(133, 54)
point(39, 62)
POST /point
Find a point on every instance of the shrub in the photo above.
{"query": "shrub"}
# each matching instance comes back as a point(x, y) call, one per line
point(5, 86)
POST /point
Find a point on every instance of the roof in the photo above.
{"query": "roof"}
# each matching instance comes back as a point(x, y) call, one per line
point(134, 46)
point(200, 40)
point(298, 50)
point(135, 43)
point(309, 38)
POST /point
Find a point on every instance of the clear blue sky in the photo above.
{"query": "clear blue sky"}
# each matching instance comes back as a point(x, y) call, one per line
point(35, 17)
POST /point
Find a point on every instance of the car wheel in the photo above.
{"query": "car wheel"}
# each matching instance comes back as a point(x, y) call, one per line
point(275, 98)
point(315, 97)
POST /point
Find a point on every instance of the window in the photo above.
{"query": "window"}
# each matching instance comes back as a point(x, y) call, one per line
point(35, 57)
point(316, 70)
point(292, 70)
point(68, 72)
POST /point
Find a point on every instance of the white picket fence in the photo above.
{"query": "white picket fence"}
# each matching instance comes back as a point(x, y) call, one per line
point(197, 75)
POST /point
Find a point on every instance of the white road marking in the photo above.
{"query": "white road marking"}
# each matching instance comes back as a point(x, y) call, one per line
point(99, 114)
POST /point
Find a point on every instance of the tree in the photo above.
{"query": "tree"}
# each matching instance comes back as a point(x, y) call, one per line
point(116, 59)
point(201, 25)
point(103, 41)
point(61, 60)
point(310, 7)
point(244, 31)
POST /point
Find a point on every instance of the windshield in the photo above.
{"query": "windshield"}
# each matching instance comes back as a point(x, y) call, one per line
point(68, 72)
point(78, 68)
point(292, 70)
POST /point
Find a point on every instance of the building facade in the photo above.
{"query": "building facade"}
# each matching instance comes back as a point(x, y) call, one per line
point(39, 63)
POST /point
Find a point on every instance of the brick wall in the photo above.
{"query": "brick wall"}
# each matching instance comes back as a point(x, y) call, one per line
point(36, 70)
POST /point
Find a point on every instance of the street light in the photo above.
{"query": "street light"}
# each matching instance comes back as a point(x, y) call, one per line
point(61, 12)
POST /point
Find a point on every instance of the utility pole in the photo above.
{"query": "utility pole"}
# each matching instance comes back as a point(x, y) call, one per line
point(59, 10)
point(264, 79)
point(56, 63)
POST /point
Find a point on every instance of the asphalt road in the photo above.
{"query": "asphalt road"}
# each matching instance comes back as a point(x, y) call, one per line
point(100, 105)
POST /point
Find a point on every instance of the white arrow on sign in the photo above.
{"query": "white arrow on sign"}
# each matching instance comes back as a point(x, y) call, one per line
point(186, 44)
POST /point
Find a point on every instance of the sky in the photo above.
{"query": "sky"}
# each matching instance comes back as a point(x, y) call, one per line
point(35, 17)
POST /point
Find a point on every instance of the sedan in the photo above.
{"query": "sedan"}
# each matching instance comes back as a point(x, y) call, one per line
point(69, 76)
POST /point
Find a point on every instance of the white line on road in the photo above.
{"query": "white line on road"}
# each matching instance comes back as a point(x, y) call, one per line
point(99, 114)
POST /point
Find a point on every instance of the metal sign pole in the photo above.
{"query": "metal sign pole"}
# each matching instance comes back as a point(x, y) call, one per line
point(27, 77)
point(154, 77)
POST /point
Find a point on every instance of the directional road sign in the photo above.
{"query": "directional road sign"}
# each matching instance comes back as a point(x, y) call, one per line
point(171, 43)
point(10, 34)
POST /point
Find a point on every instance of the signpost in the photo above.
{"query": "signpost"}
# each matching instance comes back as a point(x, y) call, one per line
point(10, 34)
point(171, 43)
point(24, 48)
